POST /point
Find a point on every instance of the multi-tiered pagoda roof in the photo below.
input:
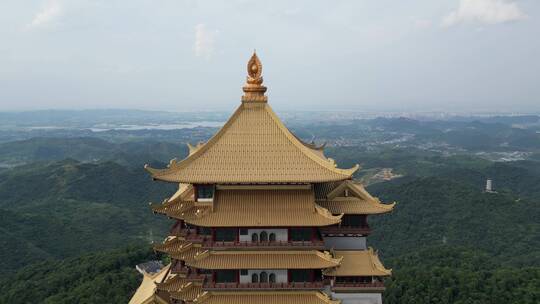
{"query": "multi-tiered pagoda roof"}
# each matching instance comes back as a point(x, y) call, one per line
point(264, 217)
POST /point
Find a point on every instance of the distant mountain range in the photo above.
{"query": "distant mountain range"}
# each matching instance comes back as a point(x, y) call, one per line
point(71, 206)
point(89, 149)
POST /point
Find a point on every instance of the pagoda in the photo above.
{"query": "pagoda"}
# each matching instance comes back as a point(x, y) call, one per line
point(261, 216)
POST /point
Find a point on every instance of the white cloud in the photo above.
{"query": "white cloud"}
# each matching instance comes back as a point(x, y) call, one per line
point(484, 11)
point(204, 41)
point(50, 11)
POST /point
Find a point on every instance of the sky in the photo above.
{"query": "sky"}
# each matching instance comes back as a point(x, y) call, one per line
point(358, 55)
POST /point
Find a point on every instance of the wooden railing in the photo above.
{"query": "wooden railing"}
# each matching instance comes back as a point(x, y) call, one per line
point(292, 285)
point(315, 243)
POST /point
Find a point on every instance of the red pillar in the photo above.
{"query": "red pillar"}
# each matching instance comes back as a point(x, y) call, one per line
point(288, 234)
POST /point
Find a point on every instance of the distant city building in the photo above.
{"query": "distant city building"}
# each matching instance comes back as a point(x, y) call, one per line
point(264, 217)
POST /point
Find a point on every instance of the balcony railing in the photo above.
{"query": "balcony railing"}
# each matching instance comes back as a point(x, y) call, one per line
point(183, 231)
point(345, 230)
point(189, 234)
point(292, 285)
point(291, 244)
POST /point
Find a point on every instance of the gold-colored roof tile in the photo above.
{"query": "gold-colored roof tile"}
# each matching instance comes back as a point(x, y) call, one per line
point(253, 147)
point(354, 205)
point(179, 249)
point(332, 197)
point(234, 208)
point(358, 263)
point(308, 259)
point(189, 292)
point(265, 297)
point(146, 293)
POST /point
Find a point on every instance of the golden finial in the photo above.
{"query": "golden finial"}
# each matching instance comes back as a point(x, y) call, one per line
point(254, 68)
point(254, 90)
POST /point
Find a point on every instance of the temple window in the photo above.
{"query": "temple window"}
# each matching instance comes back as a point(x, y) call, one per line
point(263, 237)
point(243, 231)
point(205, 193)
point(272, 237)
point(263, 277)
point(255, 238)
point(272, 278)
point(254, 278)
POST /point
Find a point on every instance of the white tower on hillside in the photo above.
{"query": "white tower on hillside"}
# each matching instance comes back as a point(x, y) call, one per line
point(489, 186)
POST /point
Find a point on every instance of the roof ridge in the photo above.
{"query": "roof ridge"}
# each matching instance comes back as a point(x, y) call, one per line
point(328, 164)
point(326, 213)
point(328, 257)
point(376, 262)
point(321, 167)
point(183, 163)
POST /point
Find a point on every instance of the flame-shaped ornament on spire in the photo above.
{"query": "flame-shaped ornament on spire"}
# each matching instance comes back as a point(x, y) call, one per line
point(254, 90)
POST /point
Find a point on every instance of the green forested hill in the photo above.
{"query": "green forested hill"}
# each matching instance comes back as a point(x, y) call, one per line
point(104, 277)
point(447, 241)
point(440, 210)
point(67, 208)
point(449, 274)
point(89, 149)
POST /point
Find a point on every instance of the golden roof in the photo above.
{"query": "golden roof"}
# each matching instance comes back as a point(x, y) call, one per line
point(181, 288)
point(253, 146)
point(358, 263)
point(173, 244)
point(188, 293)
point(146, 293)
point(178, 248)
point(259, 207)
point(181, 200)
point(265, 297)
point(354, 205)
point(307, 259)
point(358, 200)
point(174, 282)
point(185, 193)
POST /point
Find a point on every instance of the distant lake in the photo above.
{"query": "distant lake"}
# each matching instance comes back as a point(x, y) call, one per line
point(109, 127)
point(187, 125)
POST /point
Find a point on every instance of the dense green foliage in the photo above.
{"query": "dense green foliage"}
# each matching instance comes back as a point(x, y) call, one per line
point(89, 149)
point(449, 274)
point(68, 208)
point(105, 277)
point(440, 210)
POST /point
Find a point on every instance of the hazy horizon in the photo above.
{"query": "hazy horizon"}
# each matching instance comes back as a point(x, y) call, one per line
point(463, 56)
